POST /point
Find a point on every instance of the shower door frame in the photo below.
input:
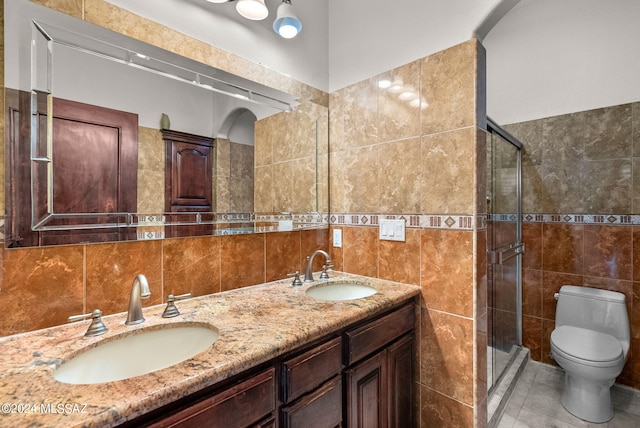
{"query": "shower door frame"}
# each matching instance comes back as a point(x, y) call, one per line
point(517, 249)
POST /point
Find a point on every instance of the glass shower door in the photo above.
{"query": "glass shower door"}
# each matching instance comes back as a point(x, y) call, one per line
point(504, 247)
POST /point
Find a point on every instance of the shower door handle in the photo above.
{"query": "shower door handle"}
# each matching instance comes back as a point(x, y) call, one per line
point(505, 253)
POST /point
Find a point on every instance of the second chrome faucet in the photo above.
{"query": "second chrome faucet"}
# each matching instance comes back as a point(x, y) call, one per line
point(308, 275)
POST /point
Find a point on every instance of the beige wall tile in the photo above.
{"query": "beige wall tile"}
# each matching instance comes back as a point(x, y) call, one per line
point(303, 185)
point(223, 157)
point(241, 195)
point(150, 171)
point(358, 111)
point(354, 180)
point(283, 195)
point(448, 84)
point(263, 143)
point(397, 118)
point(448, 172)
point(241, 160)
point(263, 196)
point(399, 176)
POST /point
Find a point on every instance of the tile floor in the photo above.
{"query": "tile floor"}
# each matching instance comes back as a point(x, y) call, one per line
point(536, 402)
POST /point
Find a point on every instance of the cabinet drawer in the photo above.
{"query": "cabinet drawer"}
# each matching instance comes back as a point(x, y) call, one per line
point(307, 371)
point(320, 409)
point(241, 405)
point(364, 340)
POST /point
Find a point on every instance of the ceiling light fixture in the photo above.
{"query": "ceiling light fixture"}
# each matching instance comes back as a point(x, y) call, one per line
point(255, 10)
point(287, 24)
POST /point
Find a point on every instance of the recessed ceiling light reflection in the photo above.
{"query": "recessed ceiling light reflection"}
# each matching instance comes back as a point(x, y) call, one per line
point(384, 84)
point(422, 104)
point(397, 86)
point(407, 94)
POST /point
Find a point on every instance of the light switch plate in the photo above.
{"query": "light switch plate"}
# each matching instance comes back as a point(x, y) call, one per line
point(392, 230)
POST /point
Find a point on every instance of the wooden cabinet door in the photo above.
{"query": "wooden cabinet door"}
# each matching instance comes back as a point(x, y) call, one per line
point(366, 386)
point(400, 359)
point(188, 181)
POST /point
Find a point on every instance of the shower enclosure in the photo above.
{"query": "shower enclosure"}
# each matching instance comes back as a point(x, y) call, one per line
point(504, 265)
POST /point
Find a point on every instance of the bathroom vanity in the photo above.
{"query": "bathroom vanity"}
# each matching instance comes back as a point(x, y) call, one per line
point(282, 359)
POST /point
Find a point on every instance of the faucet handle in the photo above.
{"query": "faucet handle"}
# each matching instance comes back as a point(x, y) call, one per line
point(172, 310)
point(96, 328)
point(296, 280)
point(324, 274)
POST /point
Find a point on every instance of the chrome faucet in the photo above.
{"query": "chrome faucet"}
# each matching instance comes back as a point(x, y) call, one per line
point(308, 275)
point(139, 290)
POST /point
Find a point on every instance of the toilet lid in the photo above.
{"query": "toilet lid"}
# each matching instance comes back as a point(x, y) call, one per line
point(586, 344)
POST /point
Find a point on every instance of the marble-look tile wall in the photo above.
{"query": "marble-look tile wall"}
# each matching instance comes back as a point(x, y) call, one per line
point(42, 286)
point(151, 165)
point(585, 163)
point(291, 167)
point(389, 157)
point(233, 177)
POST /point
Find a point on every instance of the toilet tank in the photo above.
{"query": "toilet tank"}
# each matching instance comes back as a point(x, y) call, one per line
point(594, 309)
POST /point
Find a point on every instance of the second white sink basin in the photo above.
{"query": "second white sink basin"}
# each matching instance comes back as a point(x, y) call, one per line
point(341, 291)
point(136, 354)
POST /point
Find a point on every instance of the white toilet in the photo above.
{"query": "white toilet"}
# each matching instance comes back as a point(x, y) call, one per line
point(591, 343)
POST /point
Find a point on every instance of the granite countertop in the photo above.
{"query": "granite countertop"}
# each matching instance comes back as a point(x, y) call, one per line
point(255, 324)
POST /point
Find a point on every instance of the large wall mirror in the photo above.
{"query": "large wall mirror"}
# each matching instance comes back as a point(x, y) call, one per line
point(108, 138)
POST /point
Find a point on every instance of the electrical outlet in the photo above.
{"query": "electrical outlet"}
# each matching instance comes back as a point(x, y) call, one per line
point(337, 238)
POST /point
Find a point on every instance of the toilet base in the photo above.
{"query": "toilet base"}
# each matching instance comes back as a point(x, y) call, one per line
point(588, 399)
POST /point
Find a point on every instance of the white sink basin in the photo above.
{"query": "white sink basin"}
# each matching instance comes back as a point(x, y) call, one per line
point(136, 354)
point(341, 291)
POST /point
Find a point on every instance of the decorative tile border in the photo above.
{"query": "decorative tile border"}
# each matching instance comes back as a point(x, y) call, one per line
point(414, 221)
point(610, 219)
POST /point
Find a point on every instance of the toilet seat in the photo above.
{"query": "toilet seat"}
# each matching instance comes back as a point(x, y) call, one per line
point(586, 347)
